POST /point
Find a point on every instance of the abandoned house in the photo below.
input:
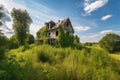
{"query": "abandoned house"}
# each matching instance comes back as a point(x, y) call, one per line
point(52, 29)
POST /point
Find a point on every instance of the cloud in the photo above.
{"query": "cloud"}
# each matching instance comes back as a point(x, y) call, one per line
point(95, 37)
point(90, 6)
point(38, 12)
point(82, 28)
point(106, 17)
point(106, 31)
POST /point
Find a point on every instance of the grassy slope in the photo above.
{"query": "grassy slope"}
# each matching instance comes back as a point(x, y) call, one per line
point(116, 56)
point(66, 64)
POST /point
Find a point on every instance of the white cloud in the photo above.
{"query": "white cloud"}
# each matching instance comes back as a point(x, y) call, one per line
point(95, 37)
point(106, 31)
point(82, 28)
point(90, 6)
point(38, 12)
point(106, 17)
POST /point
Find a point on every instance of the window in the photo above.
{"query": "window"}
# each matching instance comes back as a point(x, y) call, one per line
point(49, 34)
point(67, 24)
point(56, 33)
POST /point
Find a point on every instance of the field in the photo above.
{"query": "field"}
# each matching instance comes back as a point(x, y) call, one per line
point(46, 62)
point(116, 56)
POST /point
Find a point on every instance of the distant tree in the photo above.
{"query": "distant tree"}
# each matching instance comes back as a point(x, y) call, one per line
point(110, 42)
point(76, 39)
point(21, 23)
point(30, 39)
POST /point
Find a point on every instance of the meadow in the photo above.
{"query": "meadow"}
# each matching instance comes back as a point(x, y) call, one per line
point(45, 62)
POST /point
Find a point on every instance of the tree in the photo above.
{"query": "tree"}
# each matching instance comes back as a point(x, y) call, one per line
point(30, 39)
point(110, 42)
point(21, 23)
point(3, 18)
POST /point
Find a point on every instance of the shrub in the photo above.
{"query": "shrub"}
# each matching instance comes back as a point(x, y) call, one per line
point(110, 42)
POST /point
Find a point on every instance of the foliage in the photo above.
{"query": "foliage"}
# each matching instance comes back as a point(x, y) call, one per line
point(42, 36)
point(41, 33)
point(64, 39)
point(30, 39)
point(39, 63)
point(10, 69)
point(76, 39)
point(12, 42)
point(3, 44)
point(3, 39)
point(110, 42)
point(21, 22)
point(3, 13)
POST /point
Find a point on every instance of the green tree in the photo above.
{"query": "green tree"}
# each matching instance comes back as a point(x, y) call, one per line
point(110, 42)
point(21, 23)
point(30, 39)
point(3, 39)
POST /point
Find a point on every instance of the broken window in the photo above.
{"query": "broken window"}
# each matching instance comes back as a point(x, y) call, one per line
point(67, 24)
point(49, 34)
point(56, 33)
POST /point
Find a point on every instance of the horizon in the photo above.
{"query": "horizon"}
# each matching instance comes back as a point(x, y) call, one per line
point(91, 20)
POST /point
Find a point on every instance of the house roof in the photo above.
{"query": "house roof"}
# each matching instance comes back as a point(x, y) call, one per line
point(59, 24)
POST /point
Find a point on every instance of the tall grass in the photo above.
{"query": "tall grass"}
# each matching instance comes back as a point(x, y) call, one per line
point(50, 63)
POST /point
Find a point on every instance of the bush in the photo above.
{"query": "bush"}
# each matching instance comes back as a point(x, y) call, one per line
point(3, 44)
point(110, 42)
point(44, 57)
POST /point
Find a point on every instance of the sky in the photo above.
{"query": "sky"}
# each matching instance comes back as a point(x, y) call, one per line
point(91, 19)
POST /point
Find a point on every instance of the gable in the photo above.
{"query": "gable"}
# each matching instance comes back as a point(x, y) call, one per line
point(68, 26)
point(65, 24)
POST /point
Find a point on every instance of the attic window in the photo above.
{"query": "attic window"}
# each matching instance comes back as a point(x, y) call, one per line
point(67, 24)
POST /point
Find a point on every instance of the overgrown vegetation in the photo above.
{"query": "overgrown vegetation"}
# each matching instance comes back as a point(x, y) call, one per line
point(39, 63)
point(111, 42)
point(64, 39)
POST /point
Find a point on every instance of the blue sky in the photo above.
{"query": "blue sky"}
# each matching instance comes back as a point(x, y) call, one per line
point(91, 19)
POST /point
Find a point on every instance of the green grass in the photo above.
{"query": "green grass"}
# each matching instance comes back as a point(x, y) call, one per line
point(116, 56)
point(45, 62)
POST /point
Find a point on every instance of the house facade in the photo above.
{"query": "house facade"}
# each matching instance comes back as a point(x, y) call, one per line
point(52, 28)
